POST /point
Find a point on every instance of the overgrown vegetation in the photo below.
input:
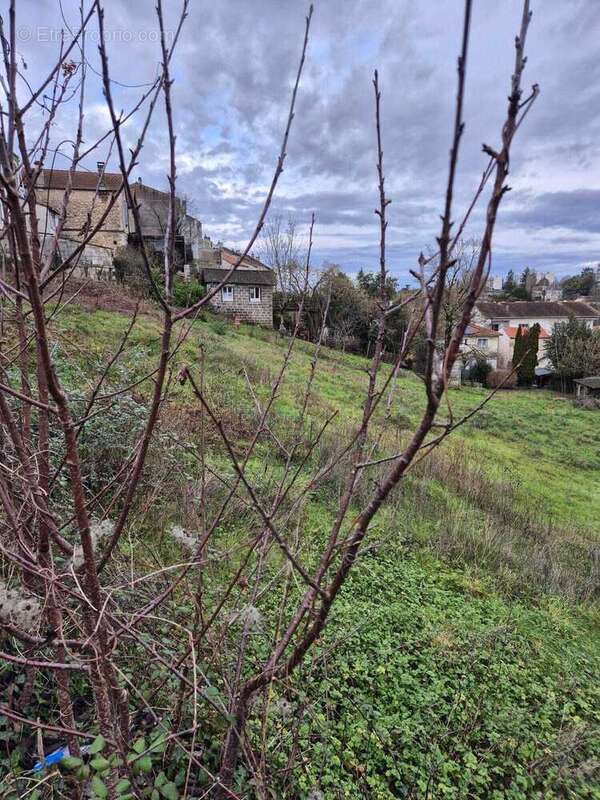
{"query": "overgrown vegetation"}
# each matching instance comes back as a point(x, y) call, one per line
point(131, 272)
point(462, 656)
point(573, 349)
point(182, 604)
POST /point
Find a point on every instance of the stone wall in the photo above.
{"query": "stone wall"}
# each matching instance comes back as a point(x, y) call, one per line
point(93, 259)
point(260, 313)
point(83, 201)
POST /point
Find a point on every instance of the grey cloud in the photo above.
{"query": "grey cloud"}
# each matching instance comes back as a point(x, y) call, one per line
point(234, 69)
point(578, 210)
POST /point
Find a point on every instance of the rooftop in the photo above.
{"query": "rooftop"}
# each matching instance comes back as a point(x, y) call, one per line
point(511, 331)
point(527, 309)
point(231, 257)
point(591, 383)
point(82, 179)
point(479, 330)
point(248, 277)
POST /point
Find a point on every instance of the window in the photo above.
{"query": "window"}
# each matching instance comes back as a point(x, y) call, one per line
point(483, 343)
point(227, 294)
point(255, 294)
point(495, 326)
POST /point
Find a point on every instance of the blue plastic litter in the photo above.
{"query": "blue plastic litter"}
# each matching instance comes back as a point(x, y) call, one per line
point(55, 757)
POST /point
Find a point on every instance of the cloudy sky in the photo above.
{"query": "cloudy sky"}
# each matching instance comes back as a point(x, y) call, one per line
point(234, 69)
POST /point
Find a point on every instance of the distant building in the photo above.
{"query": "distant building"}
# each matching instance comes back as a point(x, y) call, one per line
point(507, 317)
point(596, 289)
point(545, 287)
point(493, 286)
point(247, 295)
point(480, 342)
point(90, 205)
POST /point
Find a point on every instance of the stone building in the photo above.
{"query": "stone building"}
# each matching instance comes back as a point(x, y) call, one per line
point(90, 203)
point(247, 295)
point(153, 206)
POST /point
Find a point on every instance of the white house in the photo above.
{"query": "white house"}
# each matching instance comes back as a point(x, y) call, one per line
point(497, 315)
point(507, 317)
point(479, 341)
point(506, 346)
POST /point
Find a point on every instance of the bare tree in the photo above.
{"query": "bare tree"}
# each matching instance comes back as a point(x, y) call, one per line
point(281, 249)
point(66, 607)
point(458, 281)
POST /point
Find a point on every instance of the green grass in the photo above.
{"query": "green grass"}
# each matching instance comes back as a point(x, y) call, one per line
point(441, 686)
point(547, 446)
point(463, 655)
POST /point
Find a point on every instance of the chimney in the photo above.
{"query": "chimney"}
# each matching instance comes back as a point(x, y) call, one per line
point(100, 165)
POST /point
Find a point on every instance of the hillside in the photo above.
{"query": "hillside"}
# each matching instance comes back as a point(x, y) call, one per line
point(463, 655)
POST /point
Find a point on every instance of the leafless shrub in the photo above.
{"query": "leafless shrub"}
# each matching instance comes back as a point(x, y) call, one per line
point(502, 379)
point(208, 604)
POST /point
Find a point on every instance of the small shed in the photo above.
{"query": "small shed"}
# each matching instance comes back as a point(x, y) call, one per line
point(588, 387)
point(543, 376)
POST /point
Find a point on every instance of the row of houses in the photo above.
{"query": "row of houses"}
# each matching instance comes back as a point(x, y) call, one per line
point(96, 199)
point(494, 327)
point(539, 285)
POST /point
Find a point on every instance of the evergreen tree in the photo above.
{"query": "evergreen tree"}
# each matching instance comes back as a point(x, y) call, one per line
point(582, 284)
point(525, 282)
point(524, 277)
point(527, 368)
point(510, 283)
point(519, 349)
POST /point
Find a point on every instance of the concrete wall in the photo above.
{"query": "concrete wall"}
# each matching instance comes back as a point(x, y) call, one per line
point(259, 313)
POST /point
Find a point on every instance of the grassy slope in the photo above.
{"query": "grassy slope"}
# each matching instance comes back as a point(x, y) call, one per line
point(552, 447)
point(444, 678)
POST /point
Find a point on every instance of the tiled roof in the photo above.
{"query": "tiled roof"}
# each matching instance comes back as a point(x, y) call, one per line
point(57, 179)
point(511, 331)
point(479, 330)
point(247, 277)
point(527, 309)
point(231, 257)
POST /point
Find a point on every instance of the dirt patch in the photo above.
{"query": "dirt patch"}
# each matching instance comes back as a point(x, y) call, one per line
point(102, 296)
point(187, 421)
